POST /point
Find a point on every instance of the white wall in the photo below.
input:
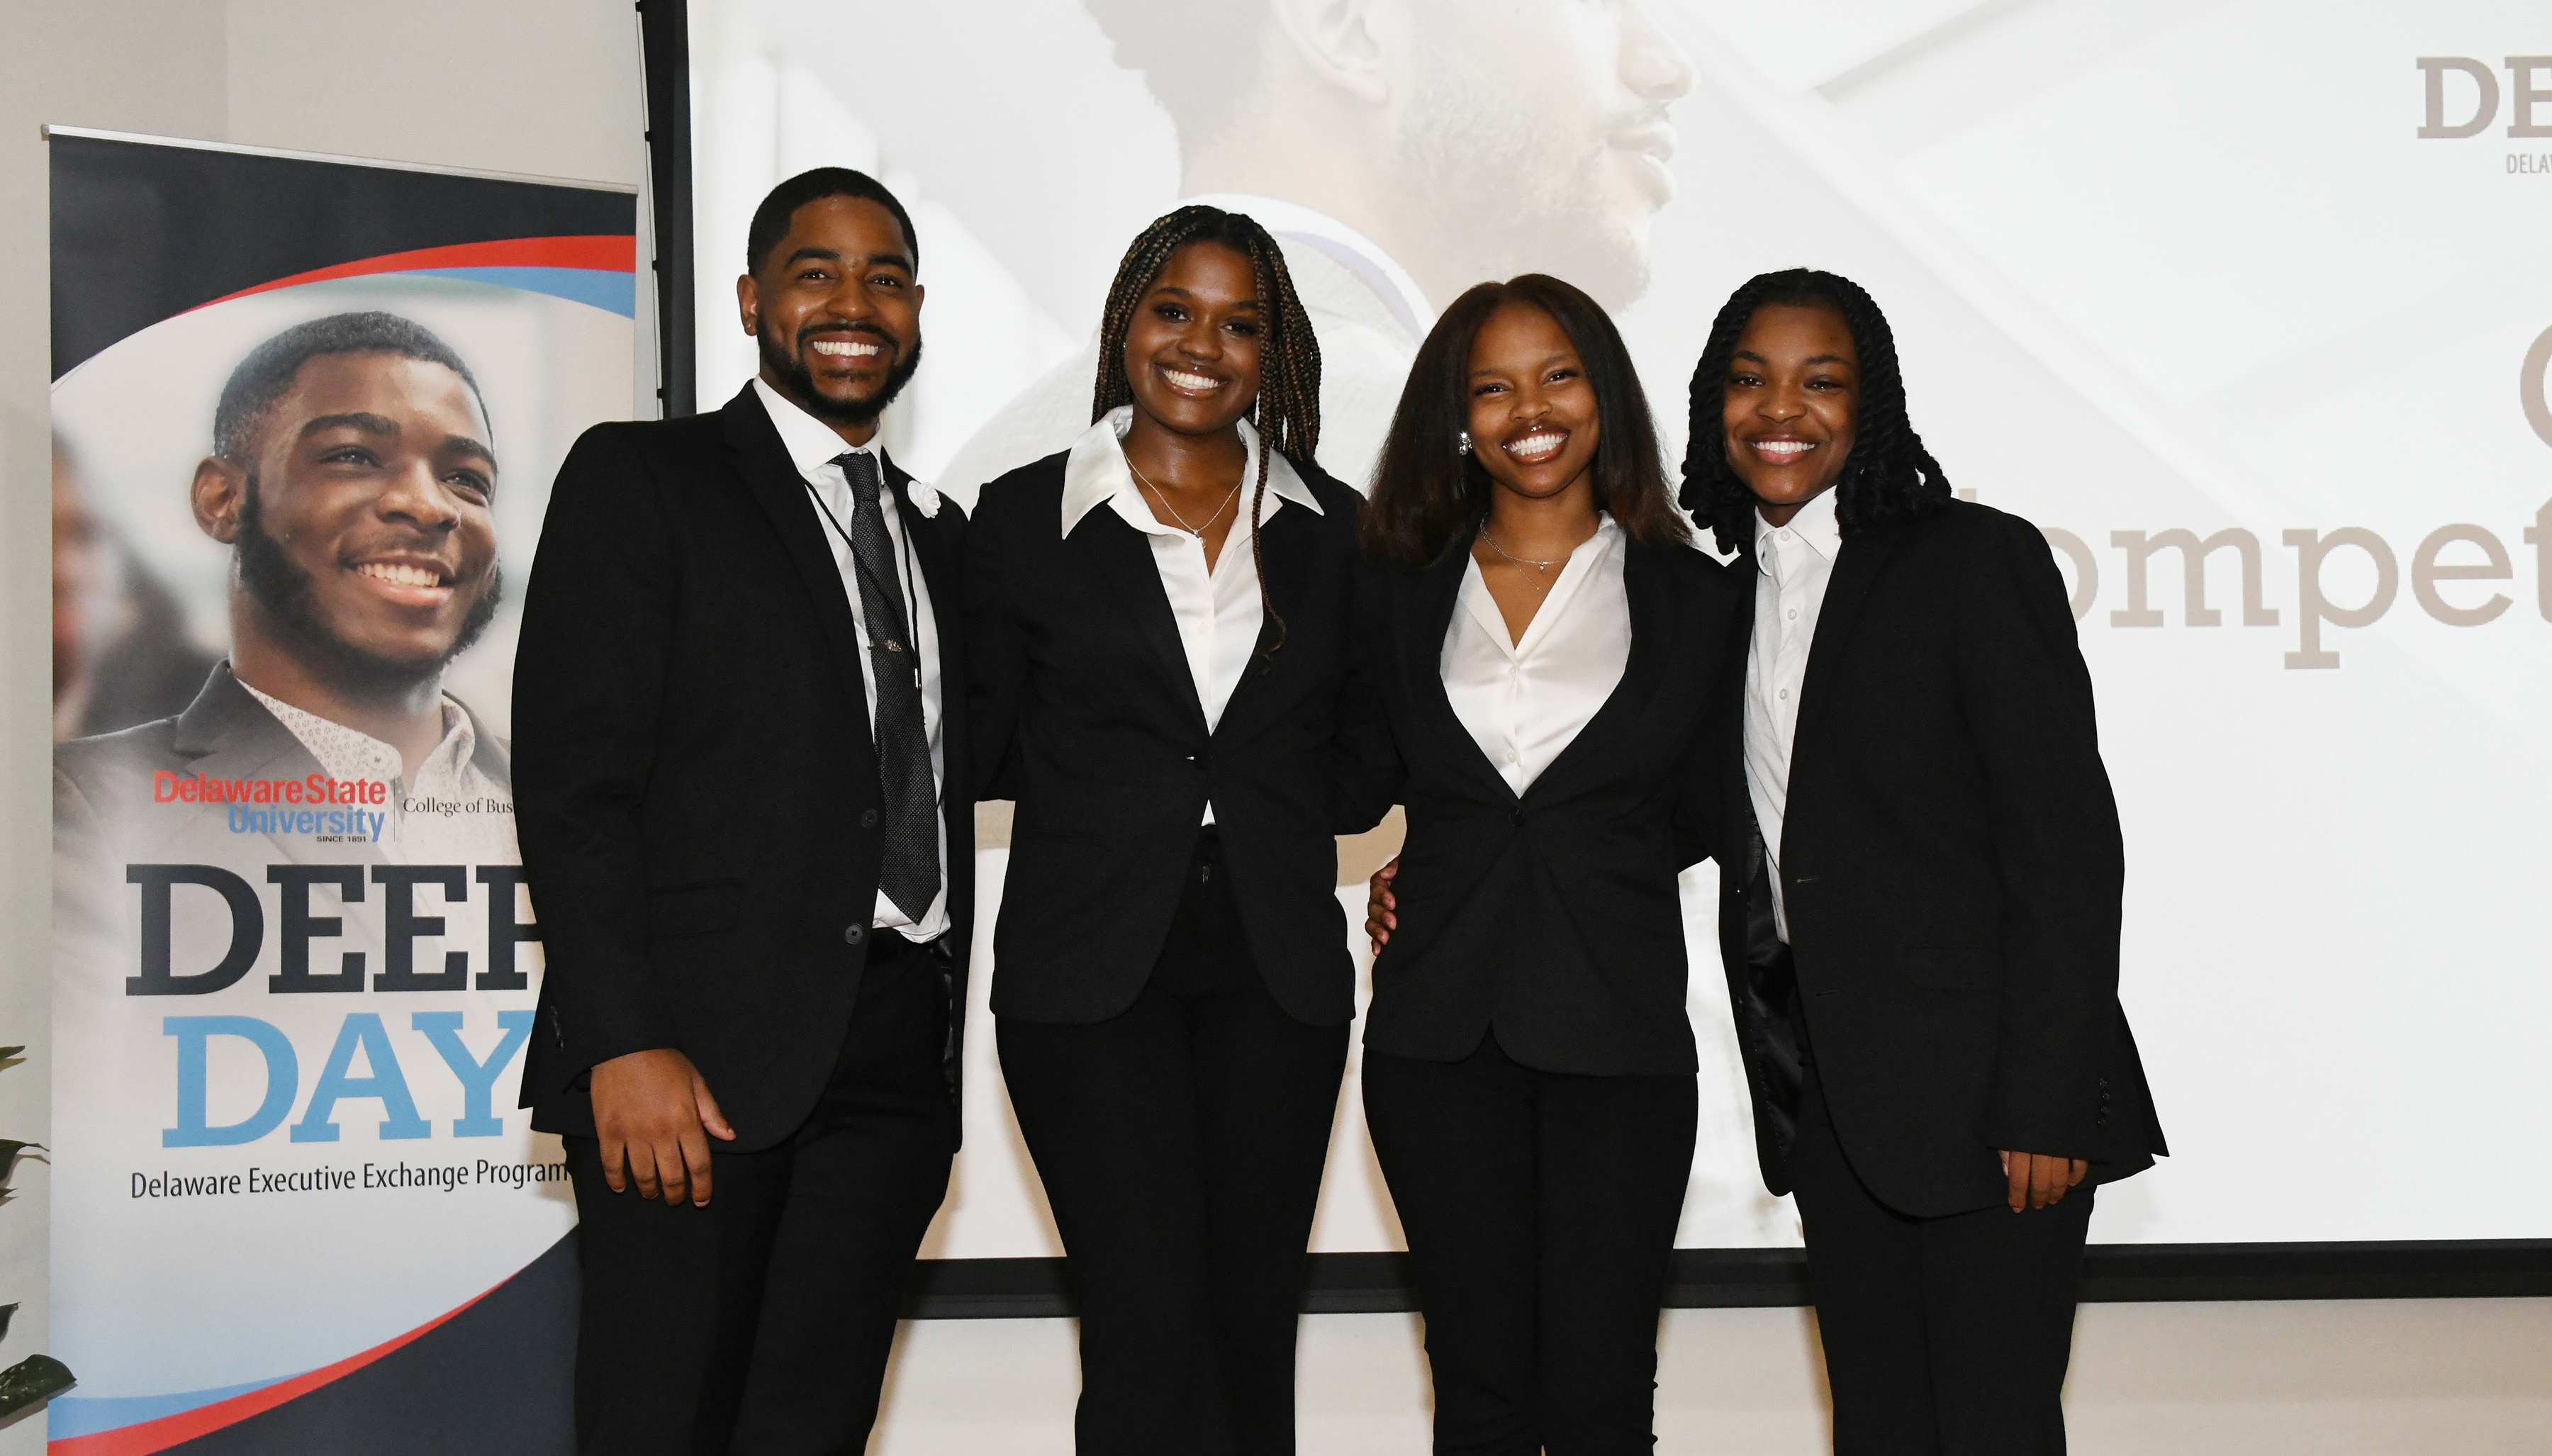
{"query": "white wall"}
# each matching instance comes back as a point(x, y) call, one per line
point(552, 88)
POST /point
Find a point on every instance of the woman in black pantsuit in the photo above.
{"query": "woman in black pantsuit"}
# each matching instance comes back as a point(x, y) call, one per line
point(1160, 681)
point(1546, 638)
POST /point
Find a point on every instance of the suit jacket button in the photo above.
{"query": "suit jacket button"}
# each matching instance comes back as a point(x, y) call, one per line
point(868, 819)
point(1519, 814)
point(854, 934)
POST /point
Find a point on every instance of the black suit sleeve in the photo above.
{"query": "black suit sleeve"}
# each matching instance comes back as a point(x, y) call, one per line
point(996, 658)
point(1370, 774)
point(1698, 823)
point(588, 679)
point(2027, 696)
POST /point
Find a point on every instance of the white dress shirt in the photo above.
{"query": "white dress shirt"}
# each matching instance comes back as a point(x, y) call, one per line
point(1217, 607)
point(1524, 702)
point(453, 814)
point(1792, 565)
point(812, 447)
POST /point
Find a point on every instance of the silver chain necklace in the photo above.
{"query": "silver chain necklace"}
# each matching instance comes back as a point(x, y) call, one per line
point(1163, 497)
point(1540, 587)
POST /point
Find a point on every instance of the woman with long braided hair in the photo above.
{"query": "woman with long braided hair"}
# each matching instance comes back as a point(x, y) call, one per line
point(1158, 621)
point(1921, 886)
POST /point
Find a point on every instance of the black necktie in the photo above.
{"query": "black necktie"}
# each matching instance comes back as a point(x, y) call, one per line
point(909, 874)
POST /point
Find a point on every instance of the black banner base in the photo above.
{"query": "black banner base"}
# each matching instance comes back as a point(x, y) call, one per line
point(1736, 1279)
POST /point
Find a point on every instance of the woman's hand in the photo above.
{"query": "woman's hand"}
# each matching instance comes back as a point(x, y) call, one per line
point(2040, 1180)
point(1379, 922)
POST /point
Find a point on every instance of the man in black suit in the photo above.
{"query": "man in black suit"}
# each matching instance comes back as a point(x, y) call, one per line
point(1920, 905)
point(740, 748)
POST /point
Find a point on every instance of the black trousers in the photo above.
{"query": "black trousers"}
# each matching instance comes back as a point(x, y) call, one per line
point(760, 1324)
point(1181, 1144)
point(1540, 1210)
point(1942, 1336)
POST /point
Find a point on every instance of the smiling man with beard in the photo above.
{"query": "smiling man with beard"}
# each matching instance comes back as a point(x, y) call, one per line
point(748, 820)
point(1400, 152)
point(351, 474)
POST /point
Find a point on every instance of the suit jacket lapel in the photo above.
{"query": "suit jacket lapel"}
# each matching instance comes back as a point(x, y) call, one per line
point(227, 733)
point(1857, 569)
point(1284, 559)
point(1651, 610)
point(1424, 608)
point(776, 487)
point(1727, 719)
point(1123, 557)
point(936, 554)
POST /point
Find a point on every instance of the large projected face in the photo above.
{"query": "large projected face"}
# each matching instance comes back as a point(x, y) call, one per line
point(1534, 134)
point(1470, 140)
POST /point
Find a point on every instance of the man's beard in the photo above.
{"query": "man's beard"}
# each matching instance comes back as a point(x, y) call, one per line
point(1526, 200)
point(798, 382)
point(290, 598)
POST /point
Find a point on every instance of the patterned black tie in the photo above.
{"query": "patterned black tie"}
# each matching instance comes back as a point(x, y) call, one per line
point(909, 874)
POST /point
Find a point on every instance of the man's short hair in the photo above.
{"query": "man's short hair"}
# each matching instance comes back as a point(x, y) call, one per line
point(1181, 48)
point(263, 378)
point(770, 219)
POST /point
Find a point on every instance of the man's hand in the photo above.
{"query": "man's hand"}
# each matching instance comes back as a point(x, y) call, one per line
point(1379, 922)
point(650, 1108)
point(2040, 1180)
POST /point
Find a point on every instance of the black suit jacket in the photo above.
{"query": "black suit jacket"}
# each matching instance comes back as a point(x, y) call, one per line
point(1952, 869)
point(695, 786)
point(1552, 917)
point(1085, 714)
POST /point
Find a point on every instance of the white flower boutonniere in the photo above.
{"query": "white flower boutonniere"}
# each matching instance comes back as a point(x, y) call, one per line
point(925, 498)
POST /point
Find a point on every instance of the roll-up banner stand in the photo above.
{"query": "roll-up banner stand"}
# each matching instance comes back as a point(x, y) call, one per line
point(305, 412)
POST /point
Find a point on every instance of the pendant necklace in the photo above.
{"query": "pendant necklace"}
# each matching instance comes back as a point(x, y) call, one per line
point(1163, 497)
point(1541, 587)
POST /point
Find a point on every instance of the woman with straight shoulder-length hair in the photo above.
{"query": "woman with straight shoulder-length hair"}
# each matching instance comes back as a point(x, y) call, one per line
point(1159, 678)
point(1546, 638)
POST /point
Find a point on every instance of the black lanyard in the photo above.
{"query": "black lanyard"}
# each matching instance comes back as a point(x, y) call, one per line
point(911, 599)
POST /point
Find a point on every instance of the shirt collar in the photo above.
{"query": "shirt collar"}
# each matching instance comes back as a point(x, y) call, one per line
point(812, 446)
point(1815, 524)
point(1096, 473)
point(350, 753)
point(1340, 244)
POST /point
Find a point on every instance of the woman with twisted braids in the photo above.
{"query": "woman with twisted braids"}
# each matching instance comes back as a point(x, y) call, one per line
point(1161, 683)
point(1919, 910)
point(1548, 642)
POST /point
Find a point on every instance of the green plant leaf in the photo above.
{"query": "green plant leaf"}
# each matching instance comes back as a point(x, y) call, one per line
point(36, 1378)
point(10, 1148)
point(7, 1313)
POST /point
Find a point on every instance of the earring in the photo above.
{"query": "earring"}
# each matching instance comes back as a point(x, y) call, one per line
point(1462, 441)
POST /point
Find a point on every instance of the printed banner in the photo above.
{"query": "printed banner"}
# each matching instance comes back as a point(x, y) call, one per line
point(305, 417)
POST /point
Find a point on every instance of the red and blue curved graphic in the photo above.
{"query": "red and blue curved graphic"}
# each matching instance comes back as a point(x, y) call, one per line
point(432, 1389)
point(598, 270)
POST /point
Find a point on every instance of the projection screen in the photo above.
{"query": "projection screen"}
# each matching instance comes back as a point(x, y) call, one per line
point(2243, 303)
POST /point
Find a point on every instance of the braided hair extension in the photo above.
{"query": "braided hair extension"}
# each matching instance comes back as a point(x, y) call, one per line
point(1287, 411)
point(1890, 476)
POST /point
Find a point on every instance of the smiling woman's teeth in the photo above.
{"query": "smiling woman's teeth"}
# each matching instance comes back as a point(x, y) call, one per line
point(1181, 380)
point(1784, 446)
point(845, 348)
point(398, 575)
point(1534, 444)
